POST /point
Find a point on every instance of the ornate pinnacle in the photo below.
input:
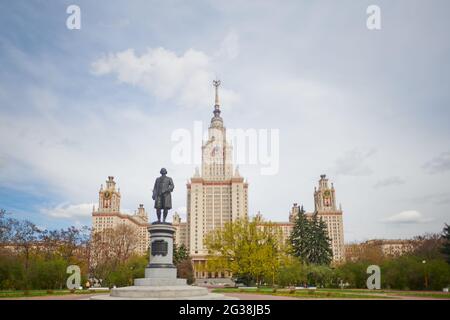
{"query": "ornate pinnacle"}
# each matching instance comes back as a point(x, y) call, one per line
point(216, 84)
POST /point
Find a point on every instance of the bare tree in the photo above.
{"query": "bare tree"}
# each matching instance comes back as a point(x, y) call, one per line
point(5, 227)
point(24, 237)
point(110, 248)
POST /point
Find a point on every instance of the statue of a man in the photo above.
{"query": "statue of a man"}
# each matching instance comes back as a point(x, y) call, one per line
point(161, 194)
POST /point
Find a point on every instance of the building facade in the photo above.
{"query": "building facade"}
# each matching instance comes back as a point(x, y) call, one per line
point(181, 231)
point(387, 248)
point(325, 209)
point(109, 216)
point(215, 196)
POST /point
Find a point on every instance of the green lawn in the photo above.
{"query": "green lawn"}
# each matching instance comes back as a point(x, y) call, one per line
point(339, 293)
point(435, 295)
point(37, 293)
point(310, 294)
point(424, 294)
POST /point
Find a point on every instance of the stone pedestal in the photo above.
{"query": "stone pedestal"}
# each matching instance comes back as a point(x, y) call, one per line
point(161, 265)
point(161, 280)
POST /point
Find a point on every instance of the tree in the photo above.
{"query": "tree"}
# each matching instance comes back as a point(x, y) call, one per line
point(185, 270)
point(180, 253)
point(445, 250)
point(320, 251)
point(309, 240)
point(5, 227)
point(428, 246)
point(320, 275)
point(353, 273)
point(183, 262)
point(365, 252)
point(300, 236)
point(292, 273)
point(24, 237)
point(247, 249)
point(110, 249)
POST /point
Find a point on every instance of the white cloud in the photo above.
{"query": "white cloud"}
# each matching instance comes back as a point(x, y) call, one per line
point(353, 163)
point(407, 217)
point(69, 211)
point(185, 79)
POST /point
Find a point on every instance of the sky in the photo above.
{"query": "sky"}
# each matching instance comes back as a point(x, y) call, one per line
point(368, 108)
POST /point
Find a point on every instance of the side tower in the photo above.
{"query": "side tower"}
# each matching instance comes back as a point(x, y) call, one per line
point(326, 209)
point(109, 198)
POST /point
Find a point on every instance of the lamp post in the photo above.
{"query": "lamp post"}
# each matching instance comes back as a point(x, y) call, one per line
point(424, 262)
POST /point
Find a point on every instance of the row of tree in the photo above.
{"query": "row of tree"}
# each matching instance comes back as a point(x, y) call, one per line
point(252, 251)
point(35, 258)
point(31, 258)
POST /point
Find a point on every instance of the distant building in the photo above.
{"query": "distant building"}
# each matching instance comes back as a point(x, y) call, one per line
point(385, 248)
point(393, 247)
point(109, 216)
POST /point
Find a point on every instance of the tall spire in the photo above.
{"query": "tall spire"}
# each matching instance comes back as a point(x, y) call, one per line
point(216, 121)
point(216, 84)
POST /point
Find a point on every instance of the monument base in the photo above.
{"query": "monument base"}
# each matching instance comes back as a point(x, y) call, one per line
point(161, 280)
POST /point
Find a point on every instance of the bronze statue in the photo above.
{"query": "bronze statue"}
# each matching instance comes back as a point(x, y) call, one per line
point(161, 194)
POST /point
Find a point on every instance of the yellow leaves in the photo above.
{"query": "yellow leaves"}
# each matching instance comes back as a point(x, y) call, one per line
point(245, 247)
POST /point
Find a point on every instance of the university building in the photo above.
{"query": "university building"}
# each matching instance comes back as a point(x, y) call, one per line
point(325, 208)
point(181, 231)
point(216, 195)
point(109, 216)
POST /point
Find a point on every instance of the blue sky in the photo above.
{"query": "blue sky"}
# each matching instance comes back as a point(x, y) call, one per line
point(368, 108)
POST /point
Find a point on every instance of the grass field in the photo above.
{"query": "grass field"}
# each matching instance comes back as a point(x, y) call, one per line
point(338, 293)
point(304, 294)
point(38, 293)
point(310, 294)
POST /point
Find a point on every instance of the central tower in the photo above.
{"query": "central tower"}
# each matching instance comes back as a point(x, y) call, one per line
point(216, 152)
point(215, 196)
